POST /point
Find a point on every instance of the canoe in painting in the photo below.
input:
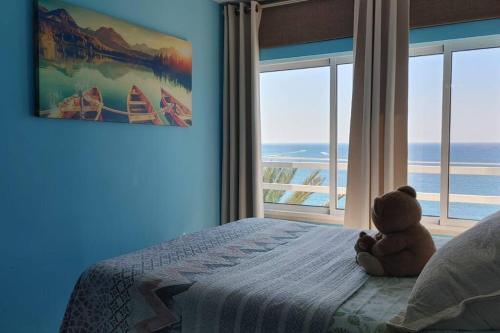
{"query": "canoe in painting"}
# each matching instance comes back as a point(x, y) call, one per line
point(86, 106)
point(176, 112)
point(140, 109)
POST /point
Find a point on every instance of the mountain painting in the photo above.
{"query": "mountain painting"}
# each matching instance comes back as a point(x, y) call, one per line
point(97, 68)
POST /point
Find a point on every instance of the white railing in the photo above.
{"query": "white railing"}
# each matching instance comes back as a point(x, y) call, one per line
point(323, 164)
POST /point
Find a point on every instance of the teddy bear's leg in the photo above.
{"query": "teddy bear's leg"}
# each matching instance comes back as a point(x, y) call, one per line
point(370, 264)
point(403, 263)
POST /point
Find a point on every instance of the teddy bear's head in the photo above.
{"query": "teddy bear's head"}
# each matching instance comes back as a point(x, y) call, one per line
point(397, 210)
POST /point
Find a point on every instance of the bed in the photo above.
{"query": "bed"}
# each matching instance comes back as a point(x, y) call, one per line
point(252, 275)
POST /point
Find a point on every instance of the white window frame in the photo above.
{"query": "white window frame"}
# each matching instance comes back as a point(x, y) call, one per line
point(467, 44)
point(312, 213)
point(447, 48)
point(437, 224)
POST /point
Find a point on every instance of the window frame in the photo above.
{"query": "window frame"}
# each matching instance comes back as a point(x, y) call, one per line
point(437, 224)
point(328, 214)
point(449, 47)
point(422, 51)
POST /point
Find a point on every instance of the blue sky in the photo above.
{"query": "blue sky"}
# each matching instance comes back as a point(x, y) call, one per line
point(295, 104)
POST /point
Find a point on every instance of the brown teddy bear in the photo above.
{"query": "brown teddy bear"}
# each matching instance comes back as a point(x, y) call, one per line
point(403, 246)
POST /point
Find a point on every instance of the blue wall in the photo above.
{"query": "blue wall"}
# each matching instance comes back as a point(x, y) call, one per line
point(421, 35)
point(73, 193)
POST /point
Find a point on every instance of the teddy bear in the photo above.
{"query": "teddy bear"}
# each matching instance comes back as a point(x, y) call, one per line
point(402, 246)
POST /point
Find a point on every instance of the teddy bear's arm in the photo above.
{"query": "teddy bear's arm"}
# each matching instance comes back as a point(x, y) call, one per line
point(388, 245)
point(365, 243)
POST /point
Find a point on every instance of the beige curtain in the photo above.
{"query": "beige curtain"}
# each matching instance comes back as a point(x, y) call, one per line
point(241, 160)
point(378, 137)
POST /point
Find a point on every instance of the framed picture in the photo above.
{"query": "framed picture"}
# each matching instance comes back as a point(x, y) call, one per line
point(97, 68)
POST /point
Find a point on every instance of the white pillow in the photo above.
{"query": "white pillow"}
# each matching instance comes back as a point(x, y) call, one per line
point(459, 288)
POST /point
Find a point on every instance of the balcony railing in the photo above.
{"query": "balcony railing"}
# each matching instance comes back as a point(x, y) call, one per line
point(413, 167)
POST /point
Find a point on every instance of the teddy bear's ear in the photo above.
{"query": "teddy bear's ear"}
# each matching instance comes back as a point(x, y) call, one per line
point(408, 190)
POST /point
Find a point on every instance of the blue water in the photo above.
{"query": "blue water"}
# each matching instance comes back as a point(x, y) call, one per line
point(461, 154)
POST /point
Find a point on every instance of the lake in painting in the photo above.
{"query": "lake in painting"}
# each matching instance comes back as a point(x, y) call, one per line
point(97, 68)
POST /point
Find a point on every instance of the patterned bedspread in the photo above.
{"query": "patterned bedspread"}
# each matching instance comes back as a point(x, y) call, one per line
point(134, 292)
point(137, 292)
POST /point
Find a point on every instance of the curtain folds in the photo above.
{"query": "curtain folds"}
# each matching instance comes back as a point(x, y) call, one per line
point(241, 167)
point(378, 136)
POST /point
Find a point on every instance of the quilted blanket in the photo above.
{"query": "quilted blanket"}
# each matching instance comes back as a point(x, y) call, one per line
point(135, 292)
point(297, 287)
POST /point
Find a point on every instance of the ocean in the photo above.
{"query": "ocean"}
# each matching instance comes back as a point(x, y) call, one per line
point(461, 154)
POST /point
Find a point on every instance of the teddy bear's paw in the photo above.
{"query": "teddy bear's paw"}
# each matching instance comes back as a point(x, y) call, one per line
point(370, 264)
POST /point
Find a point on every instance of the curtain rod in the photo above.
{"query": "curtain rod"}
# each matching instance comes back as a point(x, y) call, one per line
point(281, 3)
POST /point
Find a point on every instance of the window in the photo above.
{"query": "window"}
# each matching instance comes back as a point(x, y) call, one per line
point(296, 135)
point(305, 115)
point(425, 95)
point(453, 131)
point(474, 176)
